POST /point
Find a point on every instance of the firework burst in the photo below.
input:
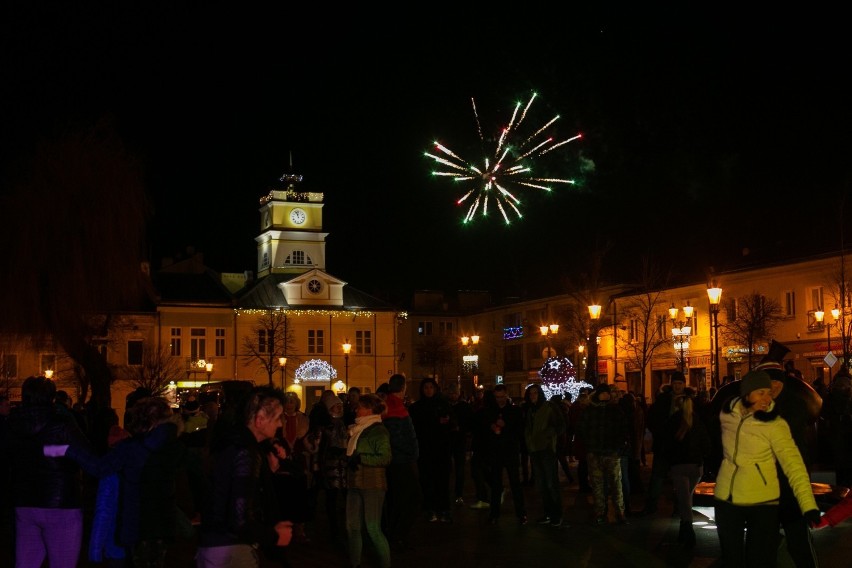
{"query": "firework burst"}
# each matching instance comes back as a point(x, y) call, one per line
point(508, 168)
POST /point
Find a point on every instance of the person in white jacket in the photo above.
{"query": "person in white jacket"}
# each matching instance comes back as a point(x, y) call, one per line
point(754, 437)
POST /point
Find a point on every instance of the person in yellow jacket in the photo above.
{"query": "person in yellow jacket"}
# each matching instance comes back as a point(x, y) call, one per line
point(747, 490)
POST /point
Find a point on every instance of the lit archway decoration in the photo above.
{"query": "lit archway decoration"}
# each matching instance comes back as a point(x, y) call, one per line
point(316, 370)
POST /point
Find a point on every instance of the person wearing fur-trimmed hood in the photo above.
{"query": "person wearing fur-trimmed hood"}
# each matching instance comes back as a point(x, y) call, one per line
point(754, 438)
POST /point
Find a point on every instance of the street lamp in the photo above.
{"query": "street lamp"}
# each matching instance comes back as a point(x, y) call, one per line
point(470, 361)
point(594, 316)
point(681, 330)
point(547, 331)
point(819, 315)
point(346, 348)
point(48, 373)
point(209, 368)
point(714, 294)
point(282, 362)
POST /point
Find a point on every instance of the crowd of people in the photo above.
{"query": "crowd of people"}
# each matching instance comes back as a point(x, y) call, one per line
point(245, 481)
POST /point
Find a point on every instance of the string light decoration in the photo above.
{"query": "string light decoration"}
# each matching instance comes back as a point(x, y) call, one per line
point(559, 376)
point(316, 370)
point(324, 313)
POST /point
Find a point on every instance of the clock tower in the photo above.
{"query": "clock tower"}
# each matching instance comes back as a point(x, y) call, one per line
point(291, 239)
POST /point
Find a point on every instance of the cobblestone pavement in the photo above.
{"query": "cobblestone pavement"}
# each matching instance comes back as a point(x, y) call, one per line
point(471, 542)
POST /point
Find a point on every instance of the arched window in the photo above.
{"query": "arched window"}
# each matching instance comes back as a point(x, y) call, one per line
point(298, 257)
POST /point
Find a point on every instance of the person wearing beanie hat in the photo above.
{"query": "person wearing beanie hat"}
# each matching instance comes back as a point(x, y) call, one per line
point(754, 380)
point(754, 439)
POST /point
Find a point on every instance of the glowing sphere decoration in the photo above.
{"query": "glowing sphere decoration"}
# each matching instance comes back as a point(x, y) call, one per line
point(559, 376)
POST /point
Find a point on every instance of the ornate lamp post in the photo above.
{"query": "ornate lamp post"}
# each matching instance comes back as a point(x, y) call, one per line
point(346, 348)
point(548, 331)
point(48, 373)
point(209, 368)
point(681, 330)
point(470, 361)
point(819, 315)
point(594, 316)
point(282, 362)
point(714, 295)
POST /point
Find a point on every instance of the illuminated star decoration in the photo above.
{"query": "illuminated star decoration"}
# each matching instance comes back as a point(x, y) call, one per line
point(558, 376)
point(509, 166)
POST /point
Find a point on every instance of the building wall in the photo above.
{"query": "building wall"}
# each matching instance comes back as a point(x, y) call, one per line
point(516, 359)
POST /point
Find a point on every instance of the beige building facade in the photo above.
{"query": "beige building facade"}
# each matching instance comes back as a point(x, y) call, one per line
point(634, 330)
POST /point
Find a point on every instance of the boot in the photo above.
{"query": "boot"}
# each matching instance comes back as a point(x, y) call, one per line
point(686, 534)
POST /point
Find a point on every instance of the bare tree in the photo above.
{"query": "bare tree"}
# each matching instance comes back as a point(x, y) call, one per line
point(270, 339)
point(158, 369)
point(72, 220)
point(585, 293)
point(840, 291)
point(641, 313)
point(755, 318)
point(437, 352)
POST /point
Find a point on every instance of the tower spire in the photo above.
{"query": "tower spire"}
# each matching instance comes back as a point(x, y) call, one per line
point(291, 178)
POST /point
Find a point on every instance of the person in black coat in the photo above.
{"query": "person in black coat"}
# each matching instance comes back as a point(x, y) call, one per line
point(242, 514)
point(431, 417)
point(46, 492)
point(658, 413)
point(503, 428)
point(793, 409)
point(686, 447)
point(146, 465)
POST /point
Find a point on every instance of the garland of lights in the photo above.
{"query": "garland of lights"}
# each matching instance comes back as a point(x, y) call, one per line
point(290, 195)
point(316, 370)
point(330, 313)
point(559, 376)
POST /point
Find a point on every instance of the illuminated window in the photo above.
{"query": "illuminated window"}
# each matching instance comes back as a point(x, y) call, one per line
point(788, 303)
point(298, 257)
point(220, 342)
point(198, 343)
point(424, 328)
point(175, 342)
point(816, 299)
point(363, 342)
point(316, 341)
point(266, 341)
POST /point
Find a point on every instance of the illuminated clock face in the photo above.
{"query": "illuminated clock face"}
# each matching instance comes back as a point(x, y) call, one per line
point(298, 216)
point(315, 286)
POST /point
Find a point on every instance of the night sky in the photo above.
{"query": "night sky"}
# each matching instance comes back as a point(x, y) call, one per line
point(704, 132)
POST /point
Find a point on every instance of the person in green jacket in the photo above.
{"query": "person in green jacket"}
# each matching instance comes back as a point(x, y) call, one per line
point(369, 454)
